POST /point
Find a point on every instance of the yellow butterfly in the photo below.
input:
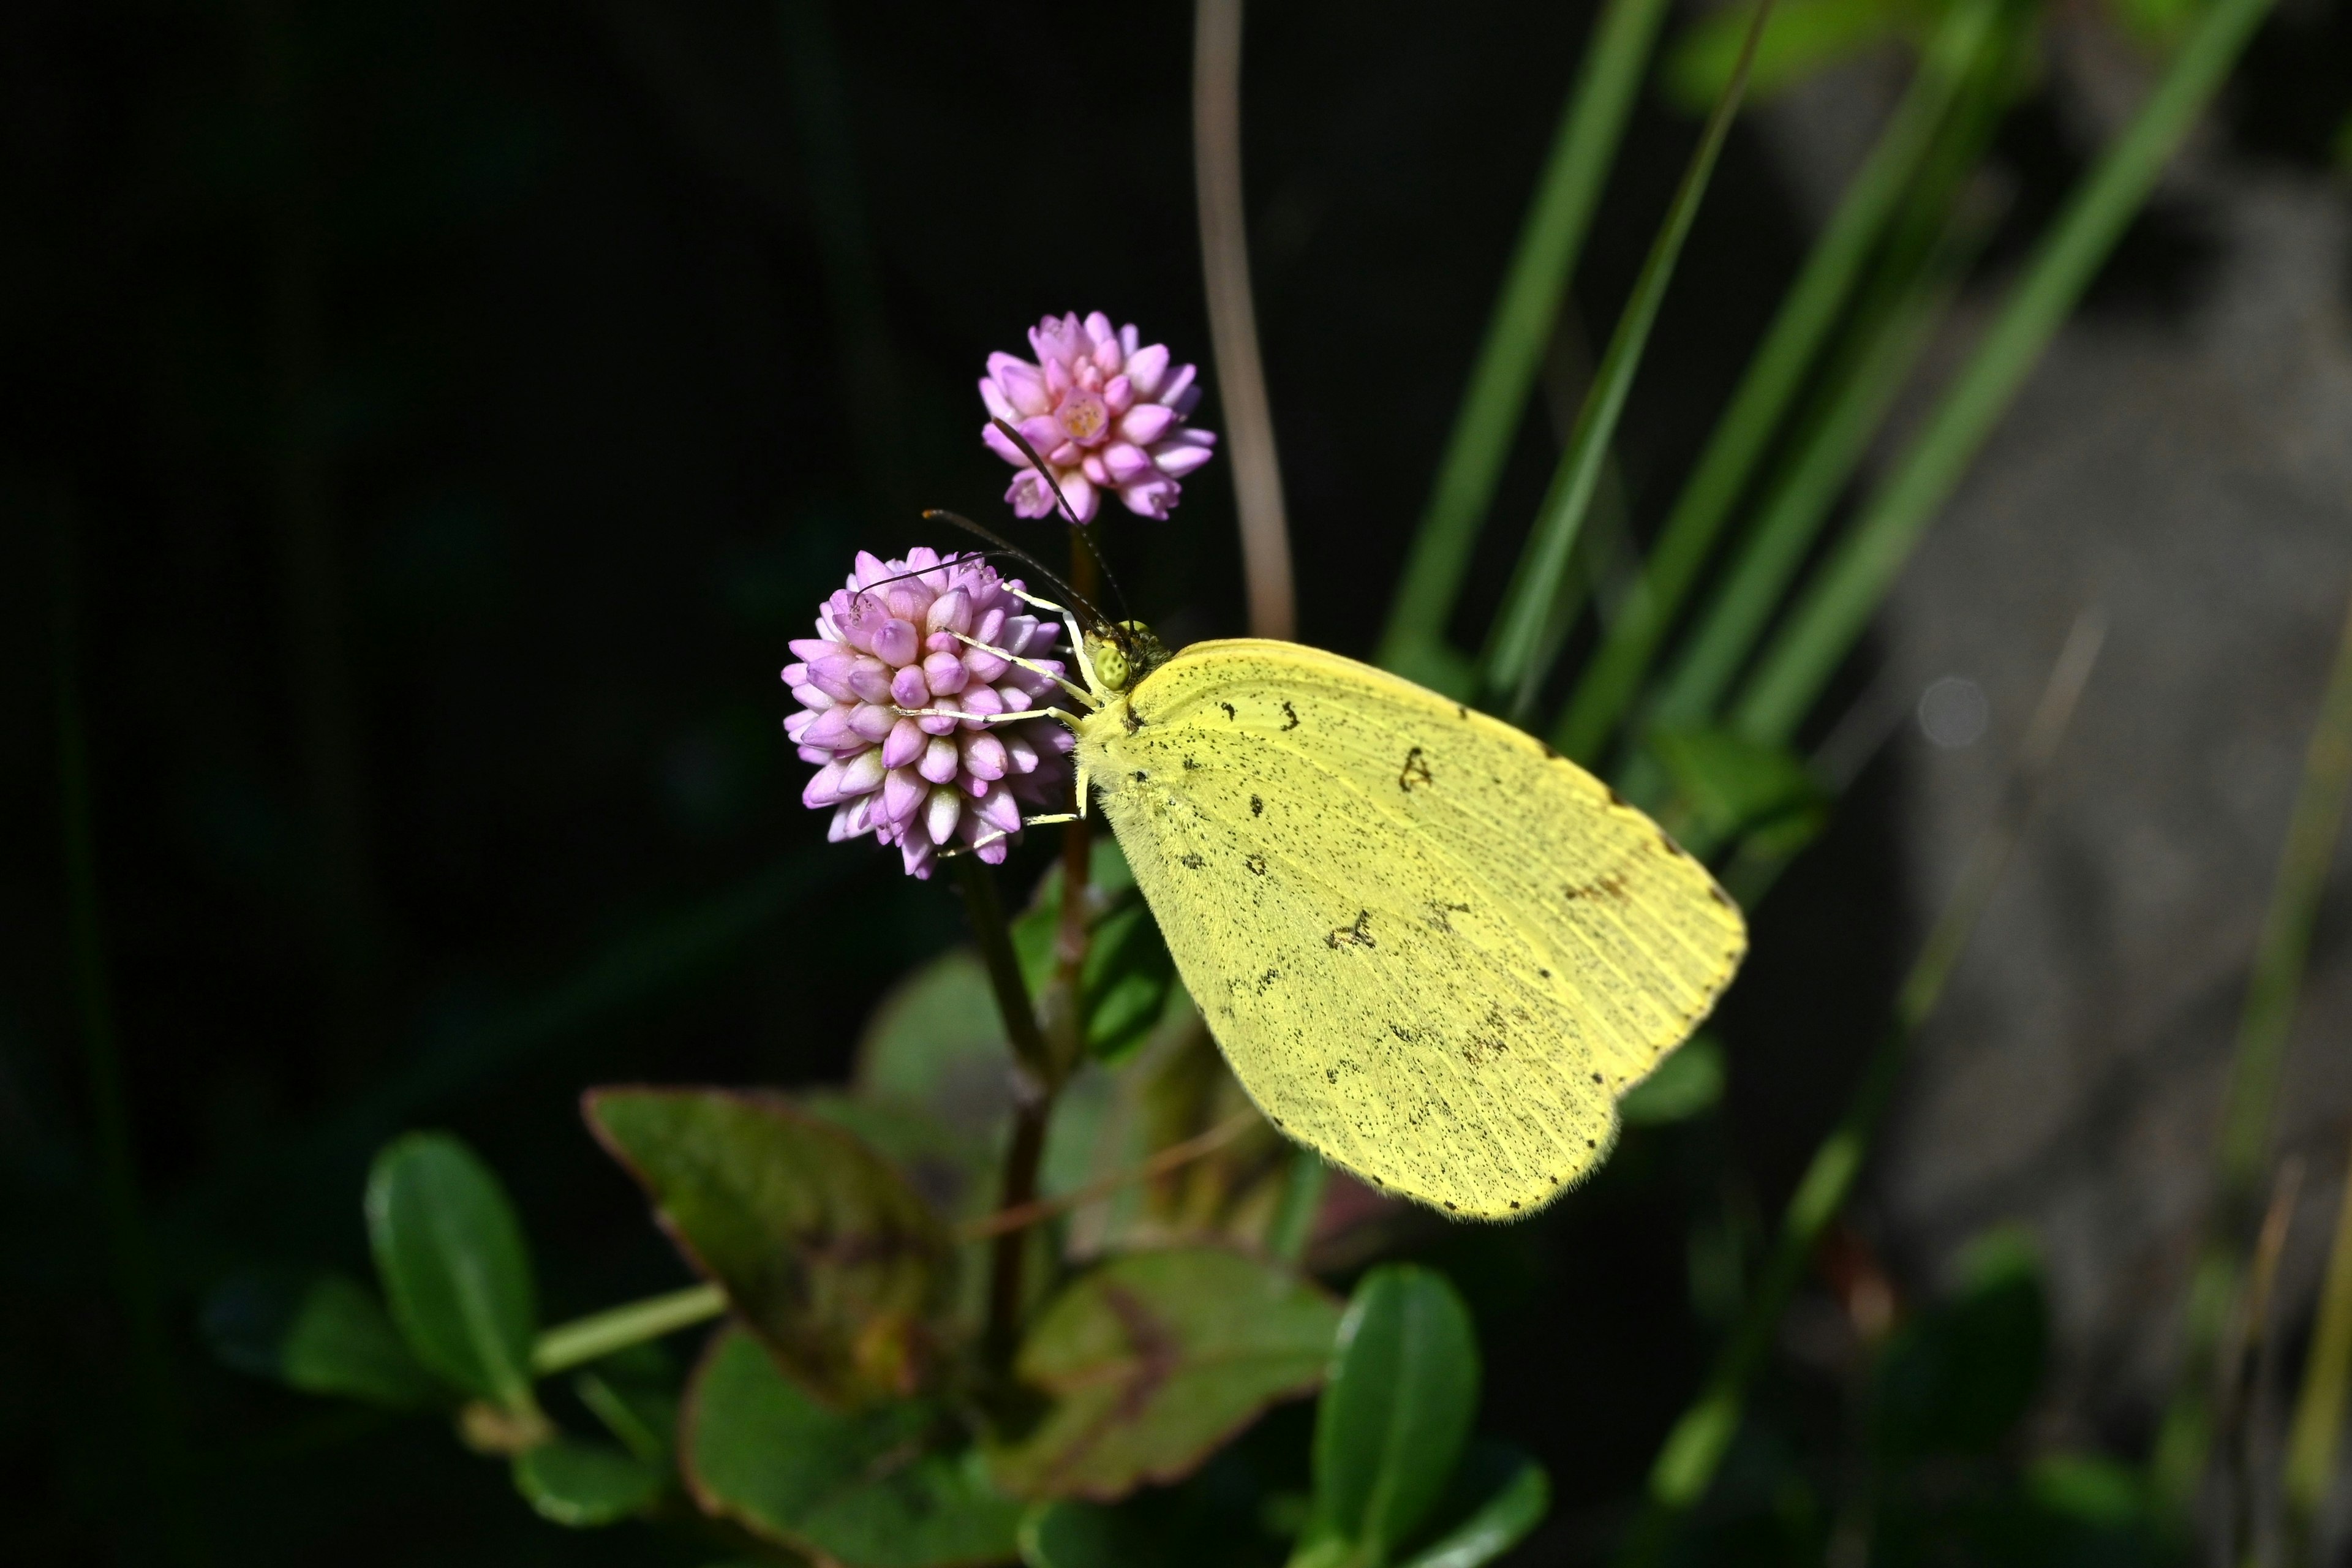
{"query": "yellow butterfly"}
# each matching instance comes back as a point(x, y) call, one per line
point(1432, 949)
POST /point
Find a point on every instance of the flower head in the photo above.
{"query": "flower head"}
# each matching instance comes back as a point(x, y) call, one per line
point(886, 647)
point(1105, 414)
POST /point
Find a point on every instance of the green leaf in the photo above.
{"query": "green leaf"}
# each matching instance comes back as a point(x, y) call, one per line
point(1800, 38)
point(1496, 1496)
point(1957, 1378)
point(1731, 786)
point(822, 1246)
point(1688, 1082)
point(1155, 1359)
point(1402, 1391)
point(585, 1484)
point(321, 1333)
point(1128, 976)
point(454, 1266)
point(1208, 1520)
point(859, 1487)
point(2088, 1489)
point(936, 1045)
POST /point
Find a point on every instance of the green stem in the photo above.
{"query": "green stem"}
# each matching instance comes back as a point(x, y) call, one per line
point(599, 1334)
point(154, 1377)
point(1592, 124)
point(1302, 1201)
point(1797, 333)
point(1694, 1449)
point(2185, 1437)
point(2318, 1425)
point(1847, 590)
point(1033, 1100)
point(1527, 609)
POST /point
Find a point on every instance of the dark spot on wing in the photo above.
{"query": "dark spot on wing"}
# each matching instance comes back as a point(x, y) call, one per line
point(1191, 764)
point(1596, 1078)
point(1257, 807)
point(1401, 1032)
point(1614, 798)
point(1361, 933)
point(1449, 1203)
point(1291, 720)
point(1268, 978)
point(1231, 714)
point(1611, 886)
point(1134, 719)
point(1549, 755)
point(1720, 897)
point(1460, 711)
point(1191, 860)
point(1514, 1202)
point(1415, 771)
point(1591, 1144)
point(1140, 776)
point(1545, 973)
point(1441, 916)
point(1256, 863)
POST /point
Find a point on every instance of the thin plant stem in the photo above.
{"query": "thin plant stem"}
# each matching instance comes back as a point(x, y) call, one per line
point(1847, 590)
point(2253, 1364)
point(1520, 625)
point(1175, 1157)
point(1592, 124)
point(1694, 1449)
point(153, 1378)
point(1032, 1102)
point(599, 1334)
point(1797, 331)
point(1233, 318)
point(2318, 1427)
point(2185, 1437)
point(1302, 1204)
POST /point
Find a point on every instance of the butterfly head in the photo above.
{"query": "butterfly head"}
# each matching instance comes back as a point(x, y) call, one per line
point(1124, 652)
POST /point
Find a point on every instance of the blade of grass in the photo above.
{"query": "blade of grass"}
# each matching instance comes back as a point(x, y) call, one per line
point(1233, 318)
point(2185, 1438)
point(1798, 330)
point(1694, 1449)
point(1592, 124)
point(1857, 396)
point(1847, 590)
point(2318, 1425)
point(1519, 626)
point(155, 1381)
point(599, 1334)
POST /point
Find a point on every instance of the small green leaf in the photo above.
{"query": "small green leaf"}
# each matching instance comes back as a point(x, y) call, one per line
point(1800, 38)
point(320, 1334)
point(1155, 1359)
point(454, 1266)
point(583, 1485)
point(822, 1246)
point(859, 1487)
point(1402, 1391)
point(1128, 976)
point(1496, 1496)
point(2088, 1489)
point(936, 1045)
point(1184, 1526)
point(1689, 1081)
point(1731, 786)
point(1957, 1378)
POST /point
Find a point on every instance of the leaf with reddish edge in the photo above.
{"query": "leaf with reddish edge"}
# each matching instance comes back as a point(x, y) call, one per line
point(1156, 1359)
point(824, 1251)
point(862, 1488)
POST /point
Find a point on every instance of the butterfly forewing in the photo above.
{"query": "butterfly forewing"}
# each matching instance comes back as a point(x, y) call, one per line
point(1431, 951)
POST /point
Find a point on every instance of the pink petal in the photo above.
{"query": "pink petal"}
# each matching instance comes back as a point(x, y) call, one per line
point(1125, 461)
point(1146, 367)
point(902, 792)
point(905, 742)
point(1176, 461)
point(984, 756)
point(940, 819)
point(939, 763)
point(871, 721)
point(1024, 386)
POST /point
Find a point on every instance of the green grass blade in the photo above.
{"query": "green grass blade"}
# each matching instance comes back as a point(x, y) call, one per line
point(1527, 605)
point(1796, 334)
point(1590, 126)
point(2318, 1427)
point(1694, 1447)
point(2256, 1060)
point(1855, 405)
point(1848, 589)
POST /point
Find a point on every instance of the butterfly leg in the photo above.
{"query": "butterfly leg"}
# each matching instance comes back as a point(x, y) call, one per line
point(1063, 714)
point(1069, 625)
point(1033, 667)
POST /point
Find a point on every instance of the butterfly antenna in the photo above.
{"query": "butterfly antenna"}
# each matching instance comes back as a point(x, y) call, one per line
point(1078, 529)
point(1006, 546)
point(945, 562)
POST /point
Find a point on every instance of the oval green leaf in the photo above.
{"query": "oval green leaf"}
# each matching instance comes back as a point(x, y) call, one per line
point(321, 1333)
point(1397, 1409)
point(825, 1251)
point(583, 1485)
point(1154, 1360)
point(859, 1487)
point(451, 1256)
point(1498, 1497)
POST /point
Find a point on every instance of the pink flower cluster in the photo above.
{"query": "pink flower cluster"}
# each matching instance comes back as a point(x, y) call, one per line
point(886, 644)
point(1104, 413)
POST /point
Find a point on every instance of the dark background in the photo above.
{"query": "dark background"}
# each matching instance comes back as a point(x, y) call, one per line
point(428, 423)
